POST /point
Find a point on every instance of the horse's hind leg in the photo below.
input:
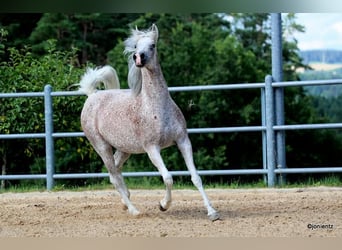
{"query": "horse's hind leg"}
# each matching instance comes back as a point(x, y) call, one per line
point(154, 155)
point(113, 165)
point(119, 160)
point(185, 147)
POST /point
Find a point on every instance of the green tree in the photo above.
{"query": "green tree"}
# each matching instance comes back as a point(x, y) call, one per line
point(25, 73)
point(94, 34)
point(18, 27)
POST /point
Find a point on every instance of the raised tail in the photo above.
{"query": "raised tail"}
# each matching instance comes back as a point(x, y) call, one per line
point(92, 78)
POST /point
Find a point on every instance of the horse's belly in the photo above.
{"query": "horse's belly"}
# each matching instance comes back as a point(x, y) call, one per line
point(131, 139)
point(120, 134)
point(127, 144)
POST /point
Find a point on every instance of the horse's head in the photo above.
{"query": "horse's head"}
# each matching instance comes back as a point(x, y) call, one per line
point(142, 50)
point(142, 46)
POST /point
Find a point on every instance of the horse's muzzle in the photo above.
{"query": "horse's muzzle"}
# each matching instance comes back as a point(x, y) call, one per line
point(139, 59)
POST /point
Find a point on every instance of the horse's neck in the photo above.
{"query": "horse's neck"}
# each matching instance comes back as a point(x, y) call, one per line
point(154, 84)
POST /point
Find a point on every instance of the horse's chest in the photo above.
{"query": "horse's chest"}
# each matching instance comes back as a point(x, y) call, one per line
point(152, 124)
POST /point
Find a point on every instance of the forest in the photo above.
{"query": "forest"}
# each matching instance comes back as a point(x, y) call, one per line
point(194, 49)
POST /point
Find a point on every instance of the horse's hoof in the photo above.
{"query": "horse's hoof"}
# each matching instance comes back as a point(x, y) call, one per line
point(214, 216)
point(135, 213)
point(124, 206)
point(161, 208)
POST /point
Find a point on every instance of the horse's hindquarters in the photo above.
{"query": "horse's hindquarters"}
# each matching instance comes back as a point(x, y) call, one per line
point(107, 116)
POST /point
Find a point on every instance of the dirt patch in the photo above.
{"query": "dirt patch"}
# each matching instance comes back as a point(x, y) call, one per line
point(312, 212)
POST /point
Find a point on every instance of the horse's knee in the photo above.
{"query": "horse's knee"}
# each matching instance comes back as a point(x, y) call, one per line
point(168, 180)
point(118, 182)
point(111, 179)
point(196, 180)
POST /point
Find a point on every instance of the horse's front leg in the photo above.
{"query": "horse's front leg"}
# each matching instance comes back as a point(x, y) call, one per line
point(185, 147)
point(154, 155)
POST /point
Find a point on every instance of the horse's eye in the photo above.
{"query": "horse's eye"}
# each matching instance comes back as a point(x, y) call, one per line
point(153, 46)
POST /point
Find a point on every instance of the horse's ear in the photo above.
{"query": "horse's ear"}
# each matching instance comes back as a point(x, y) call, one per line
point(154, 28)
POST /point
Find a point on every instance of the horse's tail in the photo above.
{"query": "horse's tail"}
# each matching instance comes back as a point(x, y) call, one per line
point(92, 78)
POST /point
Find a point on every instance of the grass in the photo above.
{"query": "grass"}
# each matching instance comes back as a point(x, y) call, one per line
point(329, 181)
point(156, 183)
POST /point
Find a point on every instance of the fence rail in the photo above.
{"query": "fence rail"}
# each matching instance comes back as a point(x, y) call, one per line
point(272, 126)
point(267, 129)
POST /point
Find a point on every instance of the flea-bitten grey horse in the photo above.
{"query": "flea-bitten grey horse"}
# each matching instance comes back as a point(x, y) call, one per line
point(143, 120)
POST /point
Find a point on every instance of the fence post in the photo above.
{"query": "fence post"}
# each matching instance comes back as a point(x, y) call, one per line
point(49, 143)
point(263, 133)
point(277, 74)
point(270, 143)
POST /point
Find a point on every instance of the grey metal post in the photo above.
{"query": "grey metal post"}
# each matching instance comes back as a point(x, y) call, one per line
point(277, 74)
point(49, 143)
point(263, 133)
point(270, 152)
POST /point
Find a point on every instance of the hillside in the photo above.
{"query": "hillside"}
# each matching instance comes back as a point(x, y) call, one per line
point(323, 74)
point(321, 56)
point(325, 64)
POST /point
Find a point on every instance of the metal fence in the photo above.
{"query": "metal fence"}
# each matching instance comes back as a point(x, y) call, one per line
point(268, 130)
point(272, 128)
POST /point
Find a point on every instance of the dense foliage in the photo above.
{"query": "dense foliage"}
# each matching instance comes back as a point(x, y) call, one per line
point(194, 49)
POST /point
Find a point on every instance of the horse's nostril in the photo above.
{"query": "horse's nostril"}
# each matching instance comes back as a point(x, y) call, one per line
point(134, 57)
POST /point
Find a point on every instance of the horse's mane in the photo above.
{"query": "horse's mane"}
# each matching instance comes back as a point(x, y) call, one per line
point(134, 73)
point(134, 76)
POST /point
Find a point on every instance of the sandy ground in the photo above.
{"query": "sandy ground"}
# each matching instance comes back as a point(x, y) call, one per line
point(308, 212)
